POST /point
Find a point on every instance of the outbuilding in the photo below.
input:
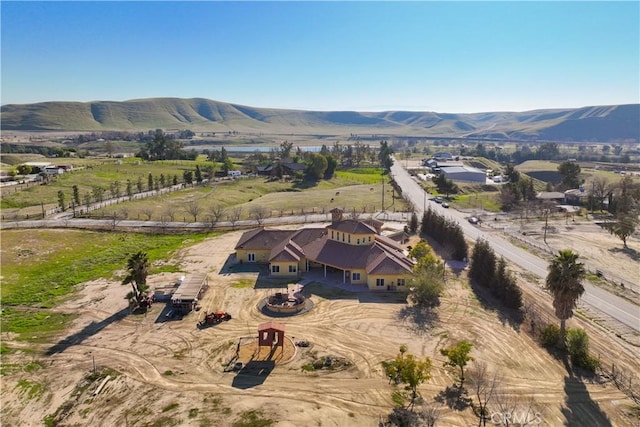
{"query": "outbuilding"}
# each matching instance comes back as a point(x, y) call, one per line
point(271, 334)
point(186, 297)
point(465, 174)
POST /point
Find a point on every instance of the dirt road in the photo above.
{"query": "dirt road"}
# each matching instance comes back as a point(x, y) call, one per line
point(172, 373)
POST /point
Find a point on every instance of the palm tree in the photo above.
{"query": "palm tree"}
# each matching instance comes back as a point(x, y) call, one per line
point(564, 281)
point(138, 267)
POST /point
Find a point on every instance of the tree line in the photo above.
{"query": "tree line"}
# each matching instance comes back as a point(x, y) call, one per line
point(491, 273)
point(446, 232)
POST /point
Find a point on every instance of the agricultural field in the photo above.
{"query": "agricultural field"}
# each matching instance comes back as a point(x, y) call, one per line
point(180, 369)
point(357, 189)
point(547, 171)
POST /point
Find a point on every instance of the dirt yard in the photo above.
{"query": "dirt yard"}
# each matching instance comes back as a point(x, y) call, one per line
point(170, 372)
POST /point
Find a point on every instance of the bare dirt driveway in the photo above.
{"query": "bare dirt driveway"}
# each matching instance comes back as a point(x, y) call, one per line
point(170, 372)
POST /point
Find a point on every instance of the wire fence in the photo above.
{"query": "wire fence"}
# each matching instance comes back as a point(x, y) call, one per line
point(596, 270)
point(536, 319)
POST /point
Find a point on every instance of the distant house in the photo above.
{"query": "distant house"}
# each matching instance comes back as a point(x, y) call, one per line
point(443, 157)
point(430, 163)
point(555, 196)
point(53, 170)
point(280, 168)
point(576, 196)
point(354, 248)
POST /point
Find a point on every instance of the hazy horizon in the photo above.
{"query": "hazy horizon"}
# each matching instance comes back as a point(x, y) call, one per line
point(448, 57)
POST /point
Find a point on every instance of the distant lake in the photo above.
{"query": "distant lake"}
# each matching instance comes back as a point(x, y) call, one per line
point(264, 148)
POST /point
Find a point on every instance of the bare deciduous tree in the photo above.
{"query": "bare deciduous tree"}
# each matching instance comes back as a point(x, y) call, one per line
point(214, 215)
point(431, 413)
point(511, 409)
point(170, 212)
point(599, 190)
point(259, 213)
point(234, 216)
point(148, 212)
point(193, 209)
point(483, 385)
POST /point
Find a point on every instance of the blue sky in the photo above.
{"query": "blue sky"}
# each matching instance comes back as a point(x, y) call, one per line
point(365, 56)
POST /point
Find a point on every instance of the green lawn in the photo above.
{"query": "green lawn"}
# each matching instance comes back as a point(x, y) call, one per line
point(42, 267)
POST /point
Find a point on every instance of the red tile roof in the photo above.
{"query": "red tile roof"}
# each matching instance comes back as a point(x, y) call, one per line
point(353, 227)
point(271, 325)
point(382, 256)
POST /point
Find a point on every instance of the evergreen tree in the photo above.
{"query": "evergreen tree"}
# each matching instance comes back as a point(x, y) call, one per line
point(61, 200)
point(413, 222)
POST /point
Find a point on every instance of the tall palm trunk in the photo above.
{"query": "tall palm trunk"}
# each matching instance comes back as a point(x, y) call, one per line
point(563, 333)
point(136, 294)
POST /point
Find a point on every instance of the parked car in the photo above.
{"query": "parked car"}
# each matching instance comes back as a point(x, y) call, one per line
point(438, 200)
point(445, 205)
point(474, 220)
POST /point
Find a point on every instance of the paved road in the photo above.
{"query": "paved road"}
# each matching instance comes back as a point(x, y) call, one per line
point(611, 305)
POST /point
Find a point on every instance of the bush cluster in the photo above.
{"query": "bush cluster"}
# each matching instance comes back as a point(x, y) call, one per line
point(578, 348)
point(550, 335)
point(446, 232)
point(489, 272)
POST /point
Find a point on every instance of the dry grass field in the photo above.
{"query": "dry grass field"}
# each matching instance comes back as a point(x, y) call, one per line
point(172, 373)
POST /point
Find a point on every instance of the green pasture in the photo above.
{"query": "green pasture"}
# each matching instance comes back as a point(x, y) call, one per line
point(31, 199)
point(537, 166)
point(489, 201)
point(42, 267)
point(90, 176)
point(352, 189)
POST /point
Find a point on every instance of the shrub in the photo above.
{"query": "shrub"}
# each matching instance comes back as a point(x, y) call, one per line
point(578, 348)
point(549, 335)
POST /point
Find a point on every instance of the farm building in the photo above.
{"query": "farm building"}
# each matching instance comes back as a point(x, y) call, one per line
point(554, 196)
point(464, 173)
point(576, 196)
point(442, 156)
point(353, 248)
point(186, 297)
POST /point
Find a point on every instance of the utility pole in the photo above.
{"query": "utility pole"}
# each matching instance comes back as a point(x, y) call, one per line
point(424, 202)
point(383, 191)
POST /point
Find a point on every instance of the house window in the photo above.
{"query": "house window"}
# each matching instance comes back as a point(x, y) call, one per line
point(379, 282)
point(355, 277)
point(358, 241)
point(349, 238)
point(251, 257)
point(331, 234)
point(400, 282)
point(293, 268)
point(369, 238)
point(343, 237)
point(275, 269)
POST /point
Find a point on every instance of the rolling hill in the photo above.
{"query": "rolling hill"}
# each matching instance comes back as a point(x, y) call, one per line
point(599, 123)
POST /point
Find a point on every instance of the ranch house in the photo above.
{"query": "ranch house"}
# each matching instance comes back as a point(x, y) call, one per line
point(353, 248)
